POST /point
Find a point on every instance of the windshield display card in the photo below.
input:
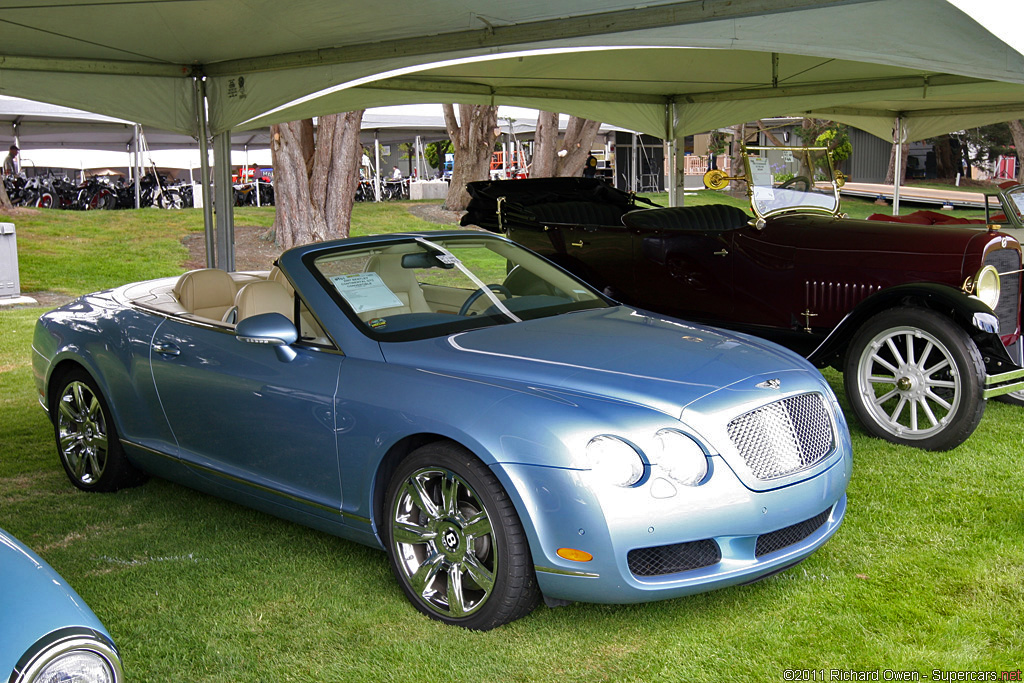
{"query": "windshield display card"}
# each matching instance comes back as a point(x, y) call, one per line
point(760, 171)
point(365, 292)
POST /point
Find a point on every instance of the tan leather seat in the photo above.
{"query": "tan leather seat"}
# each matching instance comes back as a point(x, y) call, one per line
point(206, 292)
point(264, 296)
point(401, 281)
point(277, 276)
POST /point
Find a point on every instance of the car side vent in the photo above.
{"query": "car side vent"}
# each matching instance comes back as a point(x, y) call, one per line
point(784, 437)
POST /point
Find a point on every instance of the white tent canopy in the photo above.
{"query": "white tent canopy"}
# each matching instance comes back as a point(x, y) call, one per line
point(213, 66)
point(138, 62)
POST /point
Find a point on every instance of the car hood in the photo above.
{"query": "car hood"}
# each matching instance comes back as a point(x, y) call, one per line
point(36, 601)
point(620, 353)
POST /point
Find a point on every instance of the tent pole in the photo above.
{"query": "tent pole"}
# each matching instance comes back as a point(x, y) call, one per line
point(897, 174)
point(376, 175)
point(204, 171)
point(224, 199)
point(136, 166)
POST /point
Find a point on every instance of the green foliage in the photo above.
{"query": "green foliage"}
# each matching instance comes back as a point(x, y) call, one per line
point(986, 144)
point(434, 152)
point(838, 141)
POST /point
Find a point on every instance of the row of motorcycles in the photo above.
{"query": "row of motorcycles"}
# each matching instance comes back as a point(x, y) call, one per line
point(97, 192)
point(101, 192)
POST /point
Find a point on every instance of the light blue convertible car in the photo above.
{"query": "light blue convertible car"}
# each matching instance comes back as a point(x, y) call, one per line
point(47, 632)
point(502, 430)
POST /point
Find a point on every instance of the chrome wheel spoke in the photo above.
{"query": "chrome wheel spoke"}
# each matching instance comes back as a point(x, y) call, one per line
point(482, 577)
point(423, 578)
point(927, 409)
point(456, 599)
point(64, 406)
point(895, 353)
point(938, 399)
point(413, 534)
point(449, 495)
point(478, 526)
point(420, 498)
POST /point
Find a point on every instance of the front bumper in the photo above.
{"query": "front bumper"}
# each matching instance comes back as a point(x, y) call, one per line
point(615, 525)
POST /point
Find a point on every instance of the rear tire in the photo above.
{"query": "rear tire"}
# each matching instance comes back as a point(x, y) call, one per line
point(915, 378)
point(87, 440)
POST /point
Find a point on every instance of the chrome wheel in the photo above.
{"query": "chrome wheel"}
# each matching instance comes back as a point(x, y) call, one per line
point(909, 382)
point(442, 539)
point(82, 433)
point(87, 440)
point(455, 542)
point(914, 377)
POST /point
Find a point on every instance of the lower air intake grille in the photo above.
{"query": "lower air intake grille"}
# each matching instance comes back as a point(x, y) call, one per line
point(777, 540)
point(672, 559)
point(785, 436)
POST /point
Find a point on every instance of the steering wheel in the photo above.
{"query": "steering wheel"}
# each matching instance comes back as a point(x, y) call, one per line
point(471, 299)
point(801, 179)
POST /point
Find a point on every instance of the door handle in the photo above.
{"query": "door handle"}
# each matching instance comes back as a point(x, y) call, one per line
point(723, 252)
point(577, 244)
point(166, 349)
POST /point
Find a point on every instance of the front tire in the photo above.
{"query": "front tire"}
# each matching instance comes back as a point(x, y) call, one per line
point(87, 440)
point(455, 542)
point(914, 378)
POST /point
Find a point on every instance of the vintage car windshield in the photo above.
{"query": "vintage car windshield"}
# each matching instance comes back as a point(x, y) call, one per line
point(1014, 204)
point(790, 179)
point(419, 288)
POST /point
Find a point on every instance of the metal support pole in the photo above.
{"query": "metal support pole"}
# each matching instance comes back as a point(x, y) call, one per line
point(224, 199)
point(376, 174)
point(898, 170)
point(136, 166)
point(204, 171)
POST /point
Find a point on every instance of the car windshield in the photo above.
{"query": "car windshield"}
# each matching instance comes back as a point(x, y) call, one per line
point(790, 179)
point(426, 287)
point(1015, 202)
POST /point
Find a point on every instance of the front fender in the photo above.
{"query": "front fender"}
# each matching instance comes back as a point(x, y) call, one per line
point(967, 312)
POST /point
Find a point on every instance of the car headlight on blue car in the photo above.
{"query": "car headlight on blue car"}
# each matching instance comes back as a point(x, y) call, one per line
point(71, 654)
point(681, 457)
point(616, 461)
point(613, 461)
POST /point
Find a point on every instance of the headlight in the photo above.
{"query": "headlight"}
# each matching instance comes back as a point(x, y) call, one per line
point(986, 286)
point(614, 461)
point(71, 654)
point(681, 457)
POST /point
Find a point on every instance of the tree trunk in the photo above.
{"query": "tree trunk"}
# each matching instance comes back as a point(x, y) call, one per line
point(737, 188)
point(1017, 132)
point(545, 145)
point(578, 140)
point(890, 173)
point(472, 137)
point(944, 158)
point(315, 177)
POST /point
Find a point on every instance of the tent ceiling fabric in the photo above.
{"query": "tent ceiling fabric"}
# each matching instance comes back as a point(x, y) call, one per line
point(853, 58)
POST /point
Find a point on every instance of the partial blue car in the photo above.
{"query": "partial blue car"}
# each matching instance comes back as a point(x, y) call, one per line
point(504, 431)
point(47, 632)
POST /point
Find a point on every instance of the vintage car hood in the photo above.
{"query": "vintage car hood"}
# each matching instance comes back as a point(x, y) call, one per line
point(620, 353)
point(824, 233)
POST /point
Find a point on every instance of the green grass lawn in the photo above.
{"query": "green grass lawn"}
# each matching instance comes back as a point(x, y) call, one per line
point(926, 573)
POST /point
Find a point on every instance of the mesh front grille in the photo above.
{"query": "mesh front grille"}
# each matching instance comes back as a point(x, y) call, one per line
point(1006, 261)
point(784, 437)
point(672, 559)
point(777, 540)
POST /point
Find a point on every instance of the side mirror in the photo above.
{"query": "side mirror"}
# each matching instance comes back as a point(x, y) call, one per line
point(272, 329)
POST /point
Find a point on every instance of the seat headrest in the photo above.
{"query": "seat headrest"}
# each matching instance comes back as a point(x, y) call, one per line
point(205, 288)
point(264, 296)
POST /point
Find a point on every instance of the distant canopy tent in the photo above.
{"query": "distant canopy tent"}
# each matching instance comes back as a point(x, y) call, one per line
point(208, 67)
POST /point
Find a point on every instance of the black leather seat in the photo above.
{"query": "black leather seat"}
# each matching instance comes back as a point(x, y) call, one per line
point(693, 218)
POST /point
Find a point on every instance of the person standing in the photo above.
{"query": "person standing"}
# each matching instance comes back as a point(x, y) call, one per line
point(11, 161)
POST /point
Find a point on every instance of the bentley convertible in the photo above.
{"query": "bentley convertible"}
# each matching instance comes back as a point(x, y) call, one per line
point(504, 431)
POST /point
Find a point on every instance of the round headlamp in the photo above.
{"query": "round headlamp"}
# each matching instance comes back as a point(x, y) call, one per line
point(70, 654)
point(986, 286)
point(681, 457)
point(613, 461)
point(77, 665)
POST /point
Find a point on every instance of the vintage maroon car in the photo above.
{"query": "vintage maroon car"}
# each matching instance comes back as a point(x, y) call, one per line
point(924, 321)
